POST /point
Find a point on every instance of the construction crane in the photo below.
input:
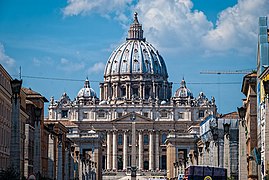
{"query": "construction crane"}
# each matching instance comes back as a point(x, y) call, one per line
point(244, 71)
point(227, 72)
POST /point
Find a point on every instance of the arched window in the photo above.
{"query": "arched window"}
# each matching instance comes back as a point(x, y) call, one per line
point(120, 139)
point(146, 139)
point(163, 138)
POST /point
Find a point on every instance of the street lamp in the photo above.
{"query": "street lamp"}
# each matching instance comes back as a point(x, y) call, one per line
point(38, 112)
point(242, 114)
point(16, 88)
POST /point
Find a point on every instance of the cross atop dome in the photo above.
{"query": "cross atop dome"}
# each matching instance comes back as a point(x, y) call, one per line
point(135, 32)
point(87, 83)
point(183, 83)
point(135, 18)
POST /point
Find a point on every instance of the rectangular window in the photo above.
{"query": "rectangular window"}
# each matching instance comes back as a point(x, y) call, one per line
point(164, 114)
point(146, 114)
point(64, 113)
point(119, 114)
point(180, 115)
point(135, 91)
point(201, 113)
point(101, 114)
point(85, 115)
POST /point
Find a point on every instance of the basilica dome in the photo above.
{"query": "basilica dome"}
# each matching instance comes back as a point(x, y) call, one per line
point(135, 71)
point(135, 56)
point(86, 91)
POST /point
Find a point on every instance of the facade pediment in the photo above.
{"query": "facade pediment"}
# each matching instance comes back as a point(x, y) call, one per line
point(127, 118)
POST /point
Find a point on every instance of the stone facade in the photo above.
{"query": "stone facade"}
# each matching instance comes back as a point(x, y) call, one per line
point(219, 142)
point(262, 98)
point(5, 118)
point(60, 157)
point(35, 135)
point(250, 122)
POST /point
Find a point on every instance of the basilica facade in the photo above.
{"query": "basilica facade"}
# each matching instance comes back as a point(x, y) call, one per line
point(135, 89)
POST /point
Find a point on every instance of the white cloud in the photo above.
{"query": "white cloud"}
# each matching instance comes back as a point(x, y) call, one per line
point(71, 66)
point(96, 68)
point(237, 27)
point(5, 60)
point(36, 61)
point(175, 26)
point(103, 7)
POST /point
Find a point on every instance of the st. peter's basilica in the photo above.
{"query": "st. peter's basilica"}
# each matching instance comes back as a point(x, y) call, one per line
point(135, 89)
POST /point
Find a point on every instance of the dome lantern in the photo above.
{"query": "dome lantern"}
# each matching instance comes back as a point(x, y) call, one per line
point(135, 32)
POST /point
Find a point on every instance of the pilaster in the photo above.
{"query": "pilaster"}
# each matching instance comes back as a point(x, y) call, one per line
point(140, 150)
point(114, 153)
point(125, 150)
point(151, 151)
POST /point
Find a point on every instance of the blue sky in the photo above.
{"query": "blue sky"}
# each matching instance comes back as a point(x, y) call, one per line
point(72, 39)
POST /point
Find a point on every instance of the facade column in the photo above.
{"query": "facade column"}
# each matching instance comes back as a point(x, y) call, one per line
point(79, 163)
point(154, 90)
point(66, 164)
point(157, 91)
point(60, 161)
point(151, 149)
point(165, 90)
point(108, 157)
point(144, 91)
point(221, 152)
point(125, 150)
point(141, 93)
point(37, 150)
point(106, 92)
point(114, 91)
point(140, 150)
point(171, 159)
point(128, 91)
point(157, 154)
point(117, 90)
point(97, 157)
point(71, 170)
point(114, 153)
point(101, 91)
point(51, 157)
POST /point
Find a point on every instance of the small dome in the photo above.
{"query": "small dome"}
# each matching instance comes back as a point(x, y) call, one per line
point(86, 91)
point(163, 102)
point(103, 102)
point(183, 91)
